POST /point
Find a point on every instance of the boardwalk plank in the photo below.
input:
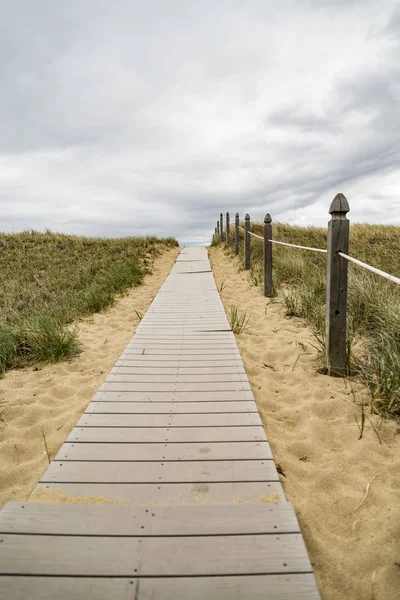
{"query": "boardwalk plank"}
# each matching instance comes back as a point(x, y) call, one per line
point(124, 520)
point(280, 587)
point(135, 396)
point(174, 351)
point(166, 434)
point(177, 420)
point(214, 555)
point(139, 369)
point(121, 377)
point(161, 452)
point(178, 387)
point(162, 472)
point(150, 407)
point(155, 494)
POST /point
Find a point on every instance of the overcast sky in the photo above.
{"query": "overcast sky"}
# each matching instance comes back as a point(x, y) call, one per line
point(124, 117)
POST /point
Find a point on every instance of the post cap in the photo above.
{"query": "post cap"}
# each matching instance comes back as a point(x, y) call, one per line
point(339, 205)
point(227, 213)
point(221, 215)
point(237, 215)
point(267, 218)
point(247, 217)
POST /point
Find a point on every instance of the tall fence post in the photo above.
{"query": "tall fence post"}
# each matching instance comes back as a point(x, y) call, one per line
point(228, 230)
point(247, 242)
point(267, 255)
point(336, 287)
point(217, 227)
point(221, 221)
point(237, 234)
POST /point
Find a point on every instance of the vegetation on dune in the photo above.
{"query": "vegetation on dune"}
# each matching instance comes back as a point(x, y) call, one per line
point(49, 280)
point(373, 302)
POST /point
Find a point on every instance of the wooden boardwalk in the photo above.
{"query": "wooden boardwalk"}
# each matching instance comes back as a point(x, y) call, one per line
point(174, 435)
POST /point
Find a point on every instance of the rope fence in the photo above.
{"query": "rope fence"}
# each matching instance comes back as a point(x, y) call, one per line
point(336, 273)
point(287, 244)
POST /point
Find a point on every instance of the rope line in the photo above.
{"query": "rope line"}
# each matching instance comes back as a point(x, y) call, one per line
point(286, 244)
point(373, 269)
point(302, 247)
point(342, 254)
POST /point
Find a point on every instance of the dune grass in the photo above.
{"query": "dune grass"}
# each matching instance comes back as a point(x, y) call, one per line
point(373, 302)
point(49, 280)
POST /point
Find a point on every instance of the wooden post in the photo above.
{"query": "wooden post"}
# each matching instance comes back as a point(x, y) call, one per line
point(336, 287)
point(228, 230)
point(267, 255)
point(237, 234)
point(221, 221)
point(217, 227)
point(247, 242)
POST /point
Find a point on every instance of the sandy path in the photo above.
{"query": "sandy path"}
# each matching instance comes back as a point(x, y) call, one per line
point(50, 400)
point(310, 423)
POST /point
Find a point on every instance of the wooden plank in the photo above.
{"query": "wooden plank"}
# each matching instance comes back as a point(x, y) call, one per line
point(187, 366)
point(177, 387)
point(121, 377)
point(126, 369)
point(246, 587)
point(181, 346)
point(261, 587)
point(150, 407)
point(187, 420)
point(144, 333)
point(161, 452)
point(153, 556)
point(230, 396)
point(125, 520)
point(209, 352)
point(161, 472)
point(156, 494)
point(73, 588)
point(166, 434)
point(182, 494)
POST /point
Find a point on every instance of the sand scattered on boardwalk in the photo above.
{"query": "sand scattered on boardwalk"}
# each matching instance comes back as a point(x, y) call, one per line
point(353, 539)
point(48, 402)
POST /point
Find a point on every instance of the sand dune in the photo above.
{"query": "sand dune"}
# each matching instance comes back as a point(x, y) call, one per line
point(353, 540)
point(44, 403)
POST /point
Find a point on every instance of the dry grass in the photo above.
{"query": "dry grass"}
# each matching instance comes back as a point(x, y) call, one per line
point(373, 304)
point(49, 280)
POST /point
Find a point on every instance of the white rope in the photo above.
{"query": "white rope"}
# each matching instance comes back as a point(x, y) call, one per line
point(257, 236)
point(286, 244)
point(302, 247)
point(350, 258)
point(373, 269)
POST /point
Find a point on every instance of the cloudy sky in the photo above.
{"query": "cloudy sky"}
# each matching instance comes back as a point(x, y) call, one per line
point(124, 117)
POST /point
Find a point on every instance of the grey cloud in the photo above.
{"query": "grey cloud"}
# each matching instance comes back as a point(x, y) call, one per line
point(153, 117)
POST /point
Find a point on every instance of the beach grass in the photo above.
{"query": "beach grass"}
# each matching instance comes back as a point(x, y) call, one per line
point(50, 280)
point(373, 302)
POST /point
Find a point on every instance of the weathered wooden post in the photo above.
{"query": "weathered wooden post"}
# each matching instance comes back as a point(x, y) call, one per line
point(237, 234)
point(336, 287)
point(228, 230)
point(247, 242)
point(221, 221)
point(217, 227)
point(267, 255)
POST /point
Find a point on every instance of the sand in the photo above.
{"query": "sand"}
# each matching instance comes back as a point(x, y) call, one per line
point(353, 537)
point(46, 401)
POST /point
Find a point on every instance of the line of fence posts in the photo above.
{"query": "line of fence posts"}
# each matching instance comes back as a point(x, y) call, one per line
point(336, 275)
